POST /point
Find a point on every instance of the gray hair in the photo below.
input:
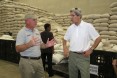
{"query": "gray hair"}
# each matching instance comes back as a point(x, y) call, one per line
point(77, 11)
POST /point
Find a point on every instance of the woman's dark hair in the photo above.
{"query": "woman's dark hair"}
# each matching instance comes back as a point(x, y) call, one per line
point(47, 25)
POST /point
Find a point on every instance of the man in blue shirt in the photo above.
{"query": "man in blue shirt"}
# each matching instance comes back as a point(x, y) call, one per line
point(28, 44)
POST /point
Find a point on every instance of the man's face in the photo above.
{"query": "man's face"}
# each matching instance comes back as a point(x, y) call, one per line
point(74, 18)
point(31, 23)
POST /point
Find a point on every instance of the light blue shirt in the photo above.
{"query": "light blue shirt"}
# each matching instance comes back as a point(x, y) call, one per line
point(24, 36)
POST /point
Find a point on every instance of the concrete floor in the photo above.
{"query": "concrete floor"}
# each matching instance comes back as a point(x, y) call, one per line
point(11, 70)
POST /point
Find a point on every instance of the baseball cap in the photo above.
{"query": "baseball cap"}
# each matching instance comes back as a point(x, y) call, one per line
point(30, 15)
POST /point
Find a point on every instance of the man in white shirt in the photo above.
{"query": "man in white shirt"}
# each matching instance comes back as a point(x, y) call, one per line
point(79, 34)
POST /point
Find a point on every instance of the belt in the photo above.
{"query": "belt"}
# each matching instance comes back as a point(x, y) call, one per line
point(78, 52)
point(34, 58)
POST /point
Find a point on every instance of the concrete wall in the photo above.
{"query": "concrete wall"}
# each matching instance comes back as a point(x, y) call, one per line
point(63, 6)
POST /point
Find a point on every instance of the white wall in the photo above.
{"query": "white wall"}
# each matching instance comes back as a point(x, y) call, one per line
point(63, 6)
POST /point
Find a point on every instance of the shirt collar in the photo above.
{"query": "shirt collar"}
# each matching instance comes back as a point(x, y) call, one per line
point(79, 24)
point(27, 29)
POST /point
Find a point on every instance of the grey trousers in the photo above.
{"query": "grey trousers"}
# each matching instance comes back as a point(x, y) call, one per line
point(31, 68)
point(79, 62)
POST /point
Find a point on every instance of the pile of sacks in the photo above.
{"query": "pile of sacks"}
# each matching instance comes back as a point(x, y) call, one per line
point(6, 37)
point(113, 23)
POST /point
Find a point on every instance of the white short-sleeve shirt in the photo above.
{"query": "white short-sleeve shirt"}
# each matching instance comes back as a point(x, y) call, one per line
point(80, 36)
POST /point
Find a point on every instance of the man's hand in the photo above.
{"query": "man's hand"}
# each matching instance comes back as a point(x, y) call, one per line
point(87, 53)
point(50, 43)
point(34, 41)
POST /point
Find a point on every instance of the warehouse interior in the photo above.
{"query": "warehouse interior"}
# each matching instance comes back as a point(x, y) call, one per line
point(101, 13)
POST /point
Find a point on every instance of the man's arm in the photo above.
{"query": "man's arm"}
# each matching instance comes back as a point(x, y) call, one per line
point(43, 46)
point(65, 48)
point(90, 50)
point(23, 47)
point(48, 44)
point(97, 41)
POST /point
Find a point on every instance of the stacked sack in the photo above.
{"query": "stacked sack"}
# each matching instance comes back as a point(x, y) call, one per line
point(12, 16)
point(100, 22)
point(113, 23)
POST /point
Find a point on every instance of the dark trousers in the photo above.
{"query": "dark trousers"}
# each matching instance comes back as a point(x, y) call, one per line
point(47, 59)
